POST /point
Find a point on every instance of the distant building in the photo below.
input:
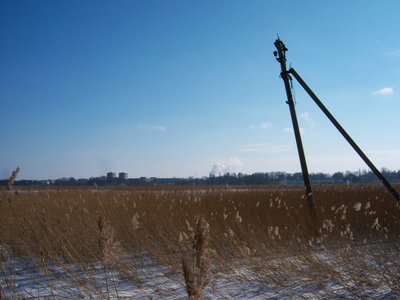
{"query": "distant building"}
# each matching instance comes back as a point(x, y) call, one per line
point(144, 180)
point(123, 176)
point(111, 176)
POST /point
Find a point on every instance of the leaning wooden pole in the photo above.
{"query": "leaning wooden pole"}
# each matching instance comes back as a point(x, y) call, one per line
point(339, 127)
point(281, 58)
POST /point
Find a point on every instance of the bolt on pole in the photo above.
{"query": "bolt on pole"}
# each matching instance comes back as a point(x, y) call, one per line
point(280, 55)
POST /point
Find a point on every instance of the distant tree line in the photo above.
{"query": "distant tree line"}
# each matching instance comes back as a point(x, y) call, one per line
point(228, 178)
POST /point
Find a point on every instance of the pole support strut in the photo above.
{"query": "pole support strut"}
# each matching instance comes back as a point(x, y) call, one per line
point(345, 135)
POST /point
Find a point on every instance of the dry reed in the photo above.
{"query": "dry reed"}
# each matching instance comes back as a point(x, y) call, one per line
point(258, 235)
point(196, 268)
point(12, 179)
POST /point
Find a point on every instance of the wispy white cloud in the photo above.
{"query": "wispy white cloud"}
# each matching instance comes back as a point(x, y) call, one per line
point(384, 91)
point(306, 116)
point(385, 152)
point(152, 127)
point(393, 53)
point(266, 125)
point(264, 148)
point(263, 125)
point(289, 130)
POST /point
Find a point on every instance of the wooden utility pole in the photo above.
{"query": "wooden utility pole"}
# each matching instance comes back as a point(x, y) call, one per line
point(280, 55)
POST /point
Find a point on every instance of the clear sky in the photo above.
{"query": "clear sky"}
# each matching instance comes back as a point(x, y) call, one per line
point(180, 88)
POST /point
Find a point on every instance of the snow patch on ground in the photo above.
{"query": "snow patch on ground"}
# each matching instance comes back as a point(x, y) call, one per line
point(21, 278)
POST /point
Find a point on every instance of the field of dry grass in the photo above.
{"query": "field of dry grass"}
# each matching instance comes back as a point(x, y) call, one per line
point(204, 239)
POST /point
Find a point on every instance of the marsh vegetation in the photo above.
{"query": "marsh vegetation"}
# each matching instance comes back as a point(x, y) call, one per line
point(217, 242)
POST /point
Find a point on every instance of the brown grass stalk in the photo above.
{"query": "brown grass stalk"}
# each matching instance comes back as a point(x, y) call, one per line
point(197, 273)
point(12, 179)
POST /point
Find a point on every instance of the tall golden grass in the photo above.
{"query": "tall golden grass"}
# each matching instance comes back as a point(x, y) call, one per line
point(263, 231)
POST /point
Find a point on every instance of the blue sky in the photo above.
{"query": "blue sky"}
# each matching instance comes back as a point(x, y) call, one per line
point(179, 88)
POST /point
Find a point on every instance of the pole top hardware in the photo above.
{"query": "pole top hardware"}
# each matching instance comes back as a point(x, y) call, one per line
point(280, 44)
point(280, 54)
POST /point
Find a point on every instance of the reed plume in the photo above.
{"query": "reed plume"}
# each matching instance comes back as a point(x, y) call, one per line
point(110, 250)
point(197, 273)
point(12, 179)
